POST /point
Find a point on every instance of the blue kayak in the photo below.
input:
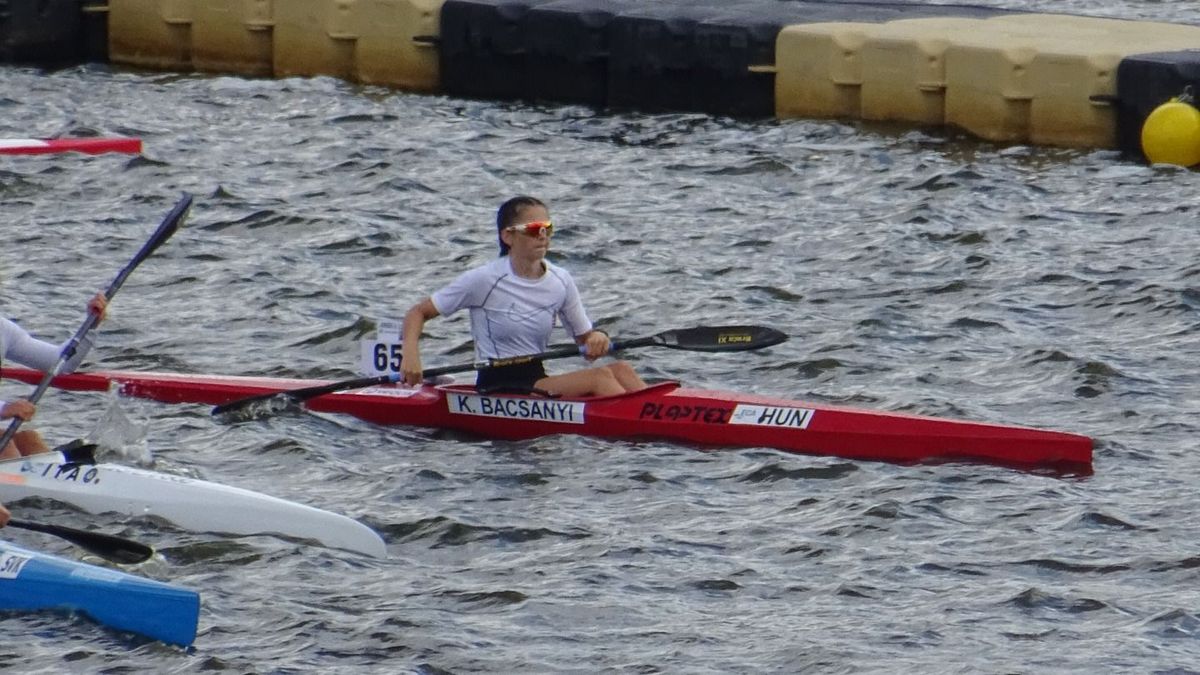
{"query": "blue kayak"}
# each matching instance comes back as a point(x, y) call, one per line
point(36, 581)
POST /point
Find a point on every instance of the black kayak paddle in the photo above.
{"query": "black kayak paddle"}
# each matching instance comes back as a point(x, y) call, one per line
point(699, 339)
point(107, 546)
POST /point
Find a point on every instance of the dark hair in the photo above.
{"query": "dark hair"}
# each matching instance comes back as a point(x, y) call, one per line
point(507, 215)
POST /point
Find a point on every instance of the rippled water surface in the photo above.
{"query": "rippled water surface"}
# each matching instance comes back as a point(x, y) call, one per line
point(914, 271)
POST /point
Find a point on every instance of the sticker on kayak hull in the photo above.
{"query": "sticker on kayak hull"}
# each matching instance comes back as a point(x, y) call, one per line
point(685, 413)
point(772, 416)
point(69, 473)
point(564, 412)
point(11, 564)
point(394, 392)
point(97, 574)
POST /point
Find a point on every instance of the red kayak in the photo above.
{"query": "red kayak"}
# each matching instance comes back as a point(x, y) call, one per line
point(664, 411)
point(90, 146)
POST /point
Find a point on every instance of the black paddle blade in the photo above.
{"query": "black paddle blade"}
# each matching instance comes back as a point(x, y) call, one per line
point(77, 451)
point(257, 407)
point(170, 223)
point(117, 549)
point(720, 338)
point(264, 405)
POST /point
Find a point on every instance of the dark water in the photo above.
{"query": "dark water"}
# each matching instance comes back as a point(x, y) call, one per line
point(915, 271)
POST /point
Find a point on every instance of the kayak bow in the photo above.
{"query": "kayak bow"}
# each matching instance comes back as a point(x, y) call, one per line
point(90, 146)
point(31, 581)
point(188, 503)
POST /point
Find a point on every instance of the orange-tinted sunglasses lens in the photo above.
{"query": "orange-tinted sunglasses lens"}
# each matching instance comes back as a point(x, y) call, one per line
point(535, 228)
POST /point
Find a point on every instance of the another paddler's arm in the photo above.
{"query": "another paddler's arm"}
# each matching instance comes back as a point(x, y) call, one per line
point(4, 516)
point(29, 351)
point(18, 408)
point(410, 353)
point(97, 305)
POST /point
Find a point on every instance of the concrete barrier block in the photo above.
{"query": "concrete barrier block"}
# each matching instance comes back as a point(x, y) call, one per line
point(393, 48)
point(1074, 79)
point(234, 36)
point(151, 33)
point(383, 42)
point(988, 88)
point(904, 70)
point(819, 70)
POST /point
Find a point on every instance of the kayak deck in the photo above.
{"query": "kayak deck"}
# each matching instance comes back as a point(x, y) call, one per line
point(665, 410)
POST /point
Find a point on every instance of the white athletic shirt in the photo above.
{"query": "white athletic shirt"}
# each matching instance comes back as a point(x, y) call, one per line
point(510, 315)
point(18, 345)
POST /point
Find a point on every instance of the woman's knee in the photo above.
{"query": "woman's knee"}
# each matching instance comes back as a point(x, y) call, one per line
point(604, 375)
point(605, 382)
point(29, 442)
point(626, 376)
point(620, 368)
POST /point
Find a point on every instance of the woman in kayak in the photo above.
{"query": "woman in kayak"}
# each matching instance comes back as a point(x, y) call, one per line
point(514, 302)
point(16, 344)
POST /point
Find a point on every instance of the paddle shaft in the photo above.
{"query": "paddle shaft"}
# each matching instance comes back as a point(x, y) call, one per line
point(301, 395)
point(107, 546)
point(167, 228)
point(710, 339)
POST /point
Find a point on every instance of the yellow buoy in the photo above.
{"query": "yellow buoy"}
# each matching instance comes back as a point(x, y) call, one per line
point(1171, 134)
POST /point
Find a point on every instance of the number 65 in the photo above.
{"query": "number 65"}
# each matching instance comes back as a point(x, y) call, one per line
point(387, 357)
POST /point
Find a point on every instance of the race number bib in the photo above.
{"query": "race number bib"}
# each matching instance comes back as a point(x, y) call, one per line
point(381, 355)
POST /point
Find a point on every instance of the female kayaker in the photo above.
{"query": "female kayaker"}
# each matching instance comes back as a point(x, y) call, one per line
point(514, 302)
point(16, 344)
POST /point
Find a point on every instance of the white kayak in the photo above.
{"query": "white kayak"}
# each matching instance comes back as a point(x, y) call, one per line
point(188, 503)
